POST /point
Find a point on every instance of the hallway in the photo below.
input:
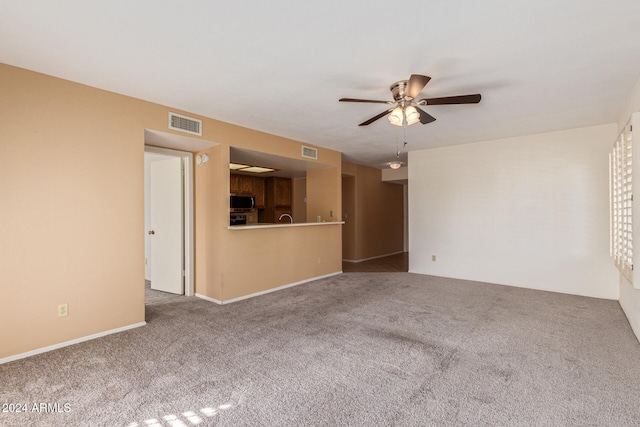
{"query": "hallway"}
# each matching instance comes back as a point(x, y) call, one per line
point(392, 263)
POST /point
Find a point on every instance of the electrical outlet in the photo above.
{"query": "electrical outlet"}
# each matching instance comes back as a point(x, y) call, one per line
point(319, 260)
point(63, 310)
point(330, 214)
point(433, 257)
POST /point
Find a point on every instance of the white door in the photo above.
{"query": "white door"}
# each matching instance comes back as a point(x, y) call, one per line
point(166, 225)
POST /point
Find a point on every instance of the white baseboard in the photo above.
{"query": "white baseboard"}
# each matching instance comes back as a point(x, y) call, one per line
point(229, 301)
point(204, 297)
point(373, 257)
point(68, 343)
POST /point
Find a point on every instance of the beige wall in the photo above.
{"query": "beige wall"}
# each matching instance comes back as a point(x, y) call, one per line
point(375, 225)
point(72, 217)
point(268, 258)
point(210, 211)
point(323, 193)
point(71, 189)
point(349, 246)
point(299, 207)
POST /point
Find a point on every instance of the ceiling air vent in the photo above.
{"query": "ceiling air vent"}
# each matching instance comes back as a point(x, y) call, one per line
point(185, 124)
point(310, 153)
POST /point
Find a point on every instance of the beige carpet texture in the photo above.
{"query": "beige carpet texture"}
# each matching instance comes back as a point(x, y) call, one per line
point(357, 349)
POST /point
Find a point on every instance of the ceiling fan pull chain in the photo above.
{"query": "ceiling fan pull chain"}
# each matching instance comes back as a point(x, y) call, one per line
point(404, 135)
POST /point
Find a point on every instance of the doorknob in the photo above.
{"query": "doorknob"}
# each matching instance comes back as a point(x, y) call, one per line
point(152, 232)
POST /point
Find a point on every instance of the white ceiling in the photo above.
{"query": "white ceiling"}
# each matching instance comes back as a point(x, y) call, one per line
point(281, 66)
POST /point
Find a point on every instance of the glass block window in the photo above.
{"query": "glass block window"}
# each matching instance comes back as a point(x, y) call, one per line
point(622, 204)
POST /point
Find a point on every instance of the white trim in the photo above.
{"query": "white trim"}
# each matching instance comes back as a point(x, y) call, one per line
point(204, 297)
point(256, 294)
point(189, 210)
point(373, 257)
point(68, 343)
point(187, 163)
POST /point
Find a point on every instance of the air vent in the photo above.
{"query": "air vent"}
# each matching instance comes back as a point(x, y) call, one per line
point(310, 153)
point(185, 124)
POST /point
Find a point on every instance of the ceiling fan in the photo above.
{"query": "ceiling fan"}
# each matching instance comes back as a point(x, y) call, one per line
point(406, 107)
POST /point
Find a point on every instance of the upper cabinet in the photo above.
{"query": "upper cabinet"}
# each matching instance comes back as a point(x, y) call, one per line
point(277, 199)
point(258, 188)
point(280, 189)
point(234, 184)
point(246, 184)
point(242, 184)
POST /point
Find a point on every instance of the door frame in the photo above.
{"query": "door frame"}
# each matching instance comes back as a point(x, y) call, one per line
point(188, 212)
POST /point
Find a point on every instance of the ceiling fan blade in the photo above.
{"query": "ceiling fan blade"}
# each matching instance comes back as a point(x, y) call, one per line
point(365, 100)
point(373, 119)
point(425, 117)
point(461, 99)
point(417, 82)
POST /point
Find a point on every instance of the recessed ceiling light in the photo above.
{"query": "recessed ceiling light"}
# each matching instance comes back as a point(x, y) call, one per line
point(257, 169)
point(249, 168)
point(236, 166)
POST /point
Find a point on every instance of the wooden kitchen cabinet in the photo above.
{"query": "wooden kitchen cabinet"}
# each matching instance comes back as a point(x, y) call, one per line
point(277, 199)
point(246, 184)
point(273, 195)
point(258, 189)
point(280, 191)
point(234, 184)
point(241, 184)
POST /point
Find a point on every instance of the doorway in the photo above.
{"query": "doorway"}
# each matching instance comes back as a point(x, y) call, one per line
point(169, 255)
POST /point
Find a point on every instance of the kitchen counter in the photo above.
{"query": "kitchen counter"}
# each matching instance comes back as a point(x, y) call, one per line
point(296, 224)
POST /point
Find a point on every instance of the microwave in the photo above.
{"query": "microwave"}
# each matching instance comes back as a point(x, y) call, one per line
point(242, 203)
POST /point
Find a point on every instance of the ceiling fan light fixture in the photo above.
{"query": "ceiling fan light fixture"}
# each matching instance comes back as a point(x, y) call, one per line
point(411, 115)
point(395, 165)
point(396, 117)
point(405, 93)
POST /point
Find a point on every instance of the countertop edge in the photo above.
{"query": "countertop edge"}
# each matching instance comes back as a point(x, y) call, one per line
point(300, 224)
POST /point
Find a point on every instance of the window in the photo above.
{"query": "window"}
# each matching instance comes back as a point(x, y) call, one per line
point(621, 203)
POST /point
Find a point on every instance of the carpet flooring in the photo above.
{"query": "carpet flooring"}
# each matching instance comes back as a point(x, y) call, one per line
point(357, 349)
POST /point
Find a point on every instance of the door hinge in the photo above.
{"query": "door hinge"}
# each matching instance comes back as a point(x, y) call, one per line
point(184, 273)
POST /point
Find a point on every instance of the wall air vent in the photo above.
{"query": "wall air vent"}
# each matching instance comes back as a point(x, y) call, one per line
point(310, 153)
point(185, 124)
